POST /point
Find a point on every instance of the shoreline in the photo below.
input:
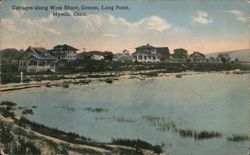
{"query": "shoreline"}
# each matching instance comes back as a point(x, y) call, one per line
point(97, 78)
point(21, 136)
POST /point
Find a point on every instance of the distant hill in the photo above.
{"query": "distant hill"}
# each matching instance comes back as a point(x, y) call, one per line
point(10, 54)
point(242, 55)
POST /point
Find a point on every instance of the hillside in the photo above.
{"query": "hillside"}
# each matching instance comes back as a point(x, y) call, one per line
point(242, 55)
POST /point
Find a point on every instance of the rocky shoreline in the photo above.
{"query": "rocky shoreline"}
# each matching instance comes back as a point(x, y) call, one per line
point(95, 78)
point(18, 135)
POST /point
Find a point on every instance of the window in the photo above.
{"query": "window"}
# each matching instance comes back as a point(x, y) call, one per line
point(140, 57)
point(145, 57)
point(153, 57)
point(41, 63)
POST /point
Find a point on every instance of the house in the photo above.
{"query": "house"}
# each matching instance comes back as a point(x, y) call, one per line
point(36, 59)
point(223, 57)
point(124, 56)
point(64, 52)
point(83, 56)
point(148, 53)
point(125, 53)
point(95, 55)
point(197, 57)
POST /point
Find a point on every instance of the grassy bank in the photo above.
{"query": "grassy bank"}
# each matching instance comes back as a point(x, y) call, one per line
point(8, 110)
point(90, 66)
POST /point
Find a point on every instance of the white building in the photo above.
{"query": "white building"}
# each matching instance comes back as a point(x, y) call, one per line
point(97, 57)
point(197, 57)
point(150, 53)
point(36, 60)
point(64, 52)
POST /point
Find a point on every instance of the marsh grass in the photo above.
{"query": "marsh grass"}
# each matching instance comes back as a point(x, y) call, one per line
point(238, 138)
point(117, 119)
point(163, 125)
point(138, 144)
point(98, 110)
point(66, 108)
point(199, 135)
point(8, 103)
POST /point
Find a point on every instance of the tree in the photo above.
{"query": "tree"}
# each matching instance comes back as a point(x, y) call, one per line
point(180, 54)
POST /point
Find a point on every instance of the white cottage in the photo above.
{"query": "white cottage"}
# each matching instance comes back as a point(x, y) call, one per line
point(197, 57)
point(64, 52)
point(148, 53)
point(36, 59)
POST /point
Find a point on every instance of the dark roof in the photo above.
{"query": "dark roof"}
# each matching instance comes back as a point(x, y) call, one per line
point(40, 53)
point(99, 53)
point(159, 50)
point(146, 47)
point(203, 55)
point(163, 50)
point(64, 47)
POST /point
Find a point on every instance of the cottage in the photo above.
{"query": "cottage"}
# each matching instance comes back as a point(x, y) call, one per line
point(64, 52)
point(223, 57)
point(36, 60)
point(148, 53)
point(197, 57)
point(95, 55)
point(124, 56)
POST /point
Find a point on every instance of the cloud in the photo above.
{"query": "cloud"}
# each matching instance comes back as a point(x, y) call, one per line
point(10, 25)
point(201, 18)
point(18, 13)
point(156, 23)
point(53, 31)
point(91, 22)
point(38, 22)
point(235, 12)
point(150, 23)
point(109, 35)
point(243, 19)
point(240, 16)
point(94, 22)
point(42, 24)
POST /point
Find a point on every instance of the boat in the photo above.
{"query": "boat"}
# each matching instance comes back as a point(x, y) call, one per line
point(178, 76)
point(141, 78)
point(109, 81)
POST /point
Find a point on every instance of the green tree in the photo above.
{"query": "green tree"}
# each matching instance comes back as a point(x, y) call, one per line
point(180, 54)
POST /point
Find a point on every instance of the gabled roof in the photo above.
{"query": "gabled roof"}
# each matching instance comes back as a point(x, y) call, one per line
point(146, 47)
point(159, 50)
point(64, 47)
point(39, 53)
point(194, 53)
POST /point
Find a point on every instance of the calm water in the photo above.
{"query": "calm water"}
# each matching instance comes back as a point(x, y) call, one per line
point(213, 102)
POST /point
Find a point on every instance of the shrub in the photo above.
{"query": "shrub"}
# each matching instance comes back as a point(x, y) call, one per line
point(8, 103)
point(138, 144)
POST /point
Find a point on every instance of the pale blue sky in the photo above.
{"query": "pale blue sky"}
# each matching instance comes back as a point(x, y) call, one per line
point(201, 25)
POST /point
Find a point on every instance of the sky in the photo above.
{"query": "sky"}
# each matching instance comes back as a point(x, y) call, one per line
point(196, 25)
